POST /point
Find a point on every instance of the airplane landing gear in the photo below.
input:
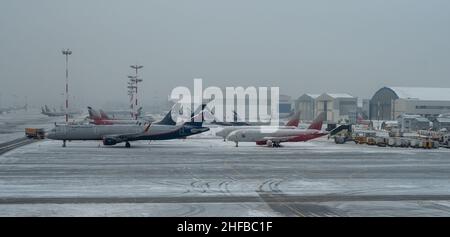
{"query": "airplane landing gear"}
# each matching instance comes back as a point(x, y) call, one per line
point(127, 145)
point(274, 144)
point(64, 143)
point(237, 144)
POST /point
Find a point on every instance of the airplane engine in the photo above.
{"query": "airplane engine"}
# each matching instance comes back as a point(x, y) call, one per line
point(269, 143)
point(261, 143)
point(109, 141)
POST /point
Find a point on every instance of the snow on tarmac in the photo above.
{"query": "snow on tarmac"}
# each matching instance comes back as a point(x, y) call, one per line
point(12, 125)
point(210, 177)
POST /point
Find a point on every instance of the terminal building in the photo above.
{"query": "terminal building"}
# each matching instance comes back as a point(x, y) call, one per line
point(337, 107)
point(306, 104)
point(388, 103)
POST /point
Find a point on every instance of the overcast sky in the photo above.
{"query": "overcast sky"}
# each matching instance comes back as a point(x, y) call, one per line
point(301, 46)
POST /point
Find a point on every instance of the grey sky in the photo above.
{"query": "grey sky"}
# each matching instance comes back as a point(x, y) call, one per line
point(302, 46)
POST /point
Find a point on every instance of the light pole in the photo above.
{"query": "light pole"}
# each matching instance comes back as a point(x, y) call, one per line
point(67, 52)
point(131, 88)
point(136, 80)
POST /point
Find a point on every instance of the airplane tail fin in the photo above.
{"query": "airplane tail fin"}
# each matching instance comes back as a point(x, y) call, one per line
point(103, 115)
point(197, 117)
point(93, 114)
point(318, 121)
point(167, 120)
point(295, 120)
point(46, 109)
point(198, 112)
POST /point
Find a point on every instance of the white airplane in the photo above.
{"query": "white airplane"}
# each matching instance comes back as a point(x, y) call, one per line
point(165, 129)
point(101, 118)
point(273, 137)
point(46, 111)
point(291, 124)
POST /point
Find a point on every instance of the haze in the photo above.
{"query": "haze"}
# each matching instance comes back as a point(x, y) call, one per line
point(301, 46)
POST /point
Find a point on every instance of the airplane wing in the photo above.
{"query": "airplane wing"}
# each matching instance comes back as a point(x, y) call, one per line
point(118, 138)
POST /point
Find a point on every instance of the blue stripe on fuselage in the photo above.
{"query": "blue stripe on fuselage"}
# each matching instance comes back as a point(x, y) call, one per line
point(182, 132)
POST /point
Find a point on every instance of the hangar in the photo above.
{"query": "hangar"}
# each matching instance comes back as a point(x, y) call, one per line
point(306, 104)
point(337, 107)
point(388, 103)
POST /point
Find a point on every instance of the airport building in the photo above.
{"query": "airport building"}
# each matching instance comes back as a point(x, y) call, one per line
point(410, 123)
point(337, 107)
point(306, 104)
point(388, 103)
point(285, 105)
point(442, 122)
point(365, 107)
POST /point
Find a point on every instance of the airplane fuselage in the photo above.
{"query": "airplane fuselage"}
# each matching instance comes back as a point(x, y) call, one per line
point(284, 135)
point(99, 132)
point(90, 131)
point(227, 130)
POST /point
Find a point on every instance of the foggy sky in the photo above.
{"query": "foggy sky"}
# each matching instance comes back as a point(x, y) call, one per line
point(301, 46)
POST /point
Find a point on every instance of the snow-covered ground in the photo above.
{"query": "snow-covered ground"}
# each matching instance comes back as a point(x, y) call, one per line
point(204, 176)
point(12, 125)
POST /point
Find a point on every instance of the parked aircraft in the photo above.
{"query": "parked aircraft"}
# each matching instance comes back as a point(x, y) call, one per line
point(113, 134)
point(53, 113)
point(291, 124)
point(360, 120)
point(237, 122)
point(101, 118)
point(273, 137)
point(123, 114)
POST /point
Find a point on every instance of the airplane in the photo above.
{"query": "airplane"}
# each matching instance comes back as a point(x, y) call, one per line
point(46, 111)
point(273, 138)
point(291, 124)
point(236, 122)
point(147, 118)
point(113, 134)
point(360, 120)
point(124, 114)
point(101, 118)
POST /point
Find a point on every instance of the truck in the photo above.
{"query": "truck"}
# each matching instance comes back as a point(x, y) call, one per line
point(364, 137)
point(35, 133)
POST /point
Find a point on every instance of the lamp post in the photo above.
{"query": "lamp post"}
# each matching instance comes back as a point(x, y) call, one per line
point(131, 88)
point(67, 52)
point(135, 79)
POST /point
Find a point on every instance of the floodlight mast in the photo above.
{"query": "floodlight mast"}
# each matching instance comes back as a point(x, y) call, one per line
point(67, 52)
